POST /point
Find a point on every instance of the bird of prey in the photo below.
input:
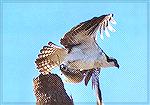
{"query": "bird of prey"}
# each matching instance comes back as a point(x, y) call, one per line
point(81, 57)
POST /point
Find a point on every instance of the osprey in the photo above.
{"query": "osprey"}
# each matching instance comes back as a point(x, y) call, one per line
point(81, 57)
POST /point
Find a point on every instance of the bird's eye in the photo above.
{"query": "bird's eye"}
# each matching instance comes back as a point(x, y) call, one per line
point(115, 61)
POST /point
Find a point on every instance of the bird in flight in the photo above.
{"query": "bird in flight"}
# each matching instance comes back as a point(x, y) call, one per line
point(81, 57)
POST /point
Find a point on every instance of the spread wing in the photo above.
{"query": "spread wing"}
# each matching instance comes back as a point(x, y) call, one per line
point(50, 56)
point(86, 31)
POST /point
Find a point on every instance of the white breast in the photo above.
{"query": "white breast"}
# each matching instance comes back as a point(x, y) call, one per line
point(84, 57)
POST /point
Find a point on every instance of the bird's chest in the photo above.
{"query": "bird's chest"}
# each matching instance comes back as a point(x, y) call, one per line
point(84, 59)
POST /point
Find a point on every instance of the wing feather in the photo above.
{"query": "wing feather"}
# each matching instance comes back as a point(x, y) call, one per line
point(50, 56)
point(87, 30)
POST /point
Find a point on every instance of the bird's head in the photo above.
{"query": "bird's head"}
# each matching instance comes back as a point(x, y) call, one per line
point(113, 62)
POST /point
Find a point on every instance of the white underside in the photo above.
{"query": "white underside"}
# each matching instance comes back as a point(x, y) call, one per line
point(86, 57)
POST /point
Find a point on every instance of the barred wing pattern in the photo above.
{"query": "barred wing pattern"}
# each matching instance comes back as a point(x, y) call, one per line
point(50, 57)
point(86, 31)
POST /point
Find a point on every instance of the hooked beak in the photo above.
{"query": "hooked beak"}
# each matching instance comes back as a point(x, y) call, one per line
point(117, 65)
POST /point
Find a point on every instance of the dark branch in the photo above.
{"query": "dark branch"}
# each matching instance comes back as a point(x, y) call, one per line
point(49, 90)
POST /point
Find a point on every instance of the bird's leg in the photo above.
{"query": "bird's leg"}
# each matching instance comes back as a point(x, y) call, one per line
point(96, 86)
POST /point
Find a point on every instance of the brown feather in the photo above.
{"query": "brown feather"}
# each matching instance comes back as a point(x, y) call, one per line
point(50, 56)
point(84, 30)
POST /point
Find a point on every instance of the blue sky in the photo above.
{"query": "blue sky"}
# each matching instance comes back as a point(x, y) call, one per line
point(29, 26)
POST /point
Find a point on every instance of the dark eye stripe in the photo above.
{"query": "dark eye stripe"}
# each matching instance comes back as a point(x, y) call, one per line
point(110, 60)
